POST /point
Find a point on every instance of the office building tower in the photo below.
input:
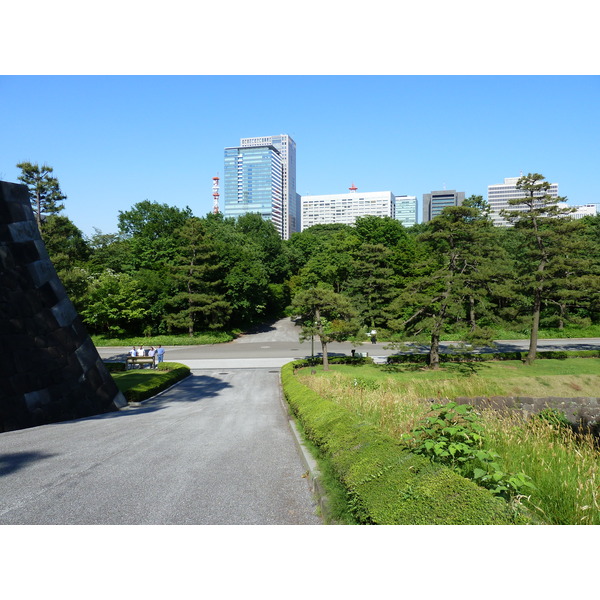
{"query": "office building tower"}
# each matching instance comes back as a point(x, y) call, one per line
point(286, 147)
point(345, 208)
point(500, 193)
point(253, 183)
point(435, 202)
point(406, 210)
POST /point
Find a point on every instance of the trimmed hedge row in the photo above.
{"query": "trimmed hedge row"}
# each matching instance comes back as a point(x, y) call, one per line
point(467, 357)
point(386, 484)
point(172, 373)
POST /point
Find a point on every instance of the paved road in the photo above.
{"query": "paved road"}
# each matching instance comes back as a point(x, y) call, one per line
point(274, 345)
point(215, 449)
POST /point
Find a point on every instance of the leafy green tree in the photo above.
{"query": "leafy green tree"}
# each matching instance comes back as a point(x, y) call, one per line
point(114, 304)
point(44, 189)
point(200, 301)
point(325, 314)
point(151, 229)
point(64, 241)
point(547, 236)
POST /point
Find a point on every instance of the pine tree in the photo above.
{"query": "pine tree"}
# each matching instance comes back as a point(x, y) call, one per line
point(44, 190)
point(548, 235)
point(197, 273)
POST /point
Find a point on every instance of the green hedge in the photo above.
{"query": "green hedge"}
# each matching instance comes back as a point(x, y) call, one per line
point(386, 484)
point(466, 357)
point(173, 372)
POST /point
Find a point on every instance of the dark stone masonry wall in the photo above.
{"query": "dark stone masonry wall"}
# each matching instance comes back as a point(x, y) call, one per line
point(50, 370)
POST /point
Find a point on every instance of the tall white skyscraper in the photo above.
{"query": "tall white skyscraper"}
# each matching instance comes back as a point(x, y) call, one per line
point(286, 147)
point(500, 193)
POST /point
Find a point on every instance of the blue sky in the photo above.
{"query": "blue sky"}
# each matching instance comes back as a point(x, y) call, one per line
point(117, 140)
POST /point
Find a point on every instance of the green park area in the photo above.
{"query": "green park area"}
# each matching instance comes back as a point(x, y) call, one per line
point(545, 470)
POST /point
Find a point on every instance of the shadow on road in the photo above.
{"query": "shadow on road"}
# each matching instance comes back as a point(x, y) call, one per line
point(17, 460)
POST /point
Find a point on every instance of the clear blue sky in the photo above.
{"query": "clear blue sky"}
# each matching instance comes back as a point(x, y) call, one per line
point(117, 140)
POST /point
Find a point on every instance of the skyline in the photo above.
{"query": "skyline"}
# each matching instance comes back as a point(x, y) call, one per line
point(114, 141)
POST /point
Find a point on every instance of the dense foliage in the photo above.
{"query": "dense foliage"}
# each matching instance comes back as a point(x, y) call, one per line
point(167, 271)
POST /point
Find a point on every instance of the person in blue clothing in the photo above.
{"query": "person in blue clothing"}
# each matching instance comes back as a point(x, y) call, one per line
point(160, 353)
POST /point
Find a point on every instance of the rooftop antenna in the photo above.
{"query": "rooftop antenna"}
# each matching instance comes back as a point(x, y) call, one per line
point(215, 195)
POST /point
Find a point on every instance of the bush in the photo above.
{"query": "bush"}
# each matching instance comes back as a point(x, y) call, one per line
point(155, 385)
point(115, 367)
point(386, 483)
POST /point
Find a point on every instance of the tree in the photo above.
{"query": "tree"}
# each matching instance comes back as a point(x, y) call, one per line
point(151, 228)
point(548, 235)
point(328, 315)
point(200, 300)
point(44, 190)
point(114, 304)
point(458, 251)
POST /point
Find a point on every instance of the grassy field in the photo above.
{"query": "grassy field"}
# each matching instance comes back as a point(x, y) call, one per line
point(564, 468)
point(199, 339)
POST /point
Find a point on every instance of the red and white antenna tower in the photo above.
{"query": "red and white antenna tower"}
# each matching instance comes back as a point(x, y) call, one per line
point(353, 188)
point(215, 195)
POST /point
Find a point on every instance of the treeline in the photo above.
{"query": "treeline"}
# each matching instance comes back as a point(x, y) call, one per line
point(168, 271)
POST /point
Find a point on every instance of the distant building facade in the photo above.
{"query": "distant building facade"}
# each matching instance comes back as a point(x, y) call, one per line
point(585, 210)
point(435, 202)
point(500, 193)
point(345, 208)
point(290, 204)
point(406, 210)
point(252, 183)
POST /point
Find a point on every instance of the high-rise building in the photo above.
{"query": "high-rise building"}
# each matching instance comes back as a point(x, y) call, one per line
point(500, 193)
point(253, 183)
point(435, 202)
point(345, 208)
point(286, 147)
point(406, 210)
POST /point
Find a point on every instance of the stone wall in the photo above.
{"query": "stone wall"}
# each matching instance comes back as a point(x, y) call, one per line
point(50, 370)
point(582, 412)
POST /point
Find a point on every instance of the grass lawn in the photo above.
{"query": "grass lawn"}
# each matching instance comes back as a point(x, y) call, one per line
point(569, 378)
point(198, 339)
point(135, 377)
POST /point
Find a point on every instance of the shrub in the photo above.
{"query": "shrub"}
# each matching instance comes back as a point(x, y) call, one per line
point(157, 384)
point(115, 367)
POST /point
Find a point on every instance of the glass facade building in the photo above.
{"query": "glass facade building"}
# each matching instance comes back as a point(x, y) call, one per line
point(406, 210)
point(290, 203)
point(435, 202)
point(253, 183)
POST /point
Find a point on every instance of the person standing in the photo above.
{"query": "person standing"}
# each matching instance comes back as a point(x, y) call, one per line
point(152, 354)
point(160, 354)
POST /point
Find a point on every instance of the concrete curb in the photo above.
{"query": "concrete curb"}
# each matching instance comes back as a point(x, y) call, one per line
point(312, 469)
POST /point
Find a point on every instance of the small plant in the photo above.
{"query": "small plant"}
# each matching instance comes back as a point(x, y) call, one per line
point(557, 419)
point(453, 436)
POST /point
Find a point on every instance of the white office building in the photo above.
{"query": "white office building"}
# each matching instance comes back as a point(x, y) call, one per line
point(345, 208)
point(286, 147)
point(585, 210)
point(500, 193)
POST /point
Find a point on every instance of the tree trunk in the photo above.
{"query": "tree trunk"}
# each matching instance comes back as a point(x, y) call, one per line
point(472, 313)
point(325, 359)
point(535, 325)
point(434, 352)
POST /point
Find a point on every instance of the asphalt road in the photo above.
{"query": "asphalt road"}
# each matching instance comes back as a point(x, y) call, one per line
point(215, 449)
point(276, 344)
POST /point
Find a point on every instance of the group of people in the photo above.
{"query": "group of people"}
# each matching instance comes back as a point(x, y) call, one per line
point(151, 352)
